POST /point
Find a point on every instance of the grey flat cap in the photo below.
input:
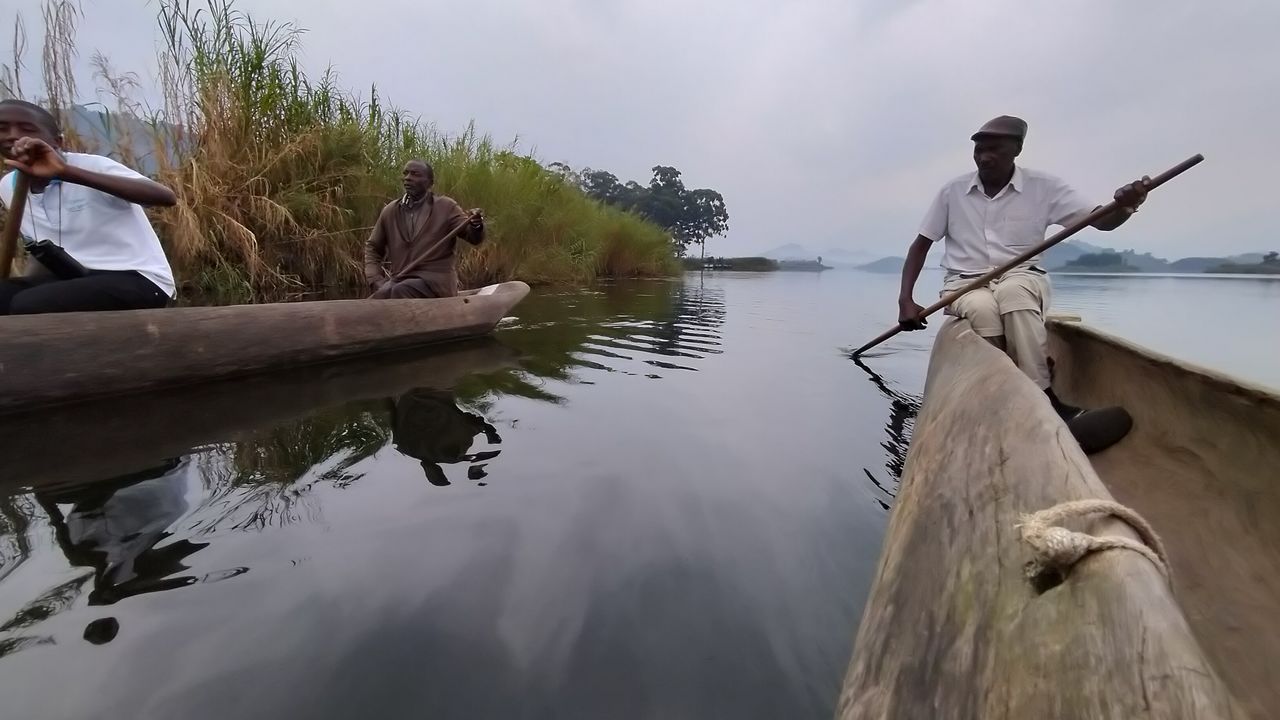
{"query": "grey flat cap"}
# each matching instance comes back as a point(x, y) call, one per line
point(1003, 126)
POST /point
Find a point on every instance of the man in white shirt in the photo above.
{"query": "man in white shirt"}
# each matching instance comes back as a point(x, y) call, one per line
point(90, 207)
point(988, 218)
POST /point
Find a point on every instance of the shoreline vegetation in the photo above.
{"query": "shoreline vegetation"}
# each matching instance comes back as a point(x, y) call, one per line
point(1266, 267)
point(1110, 262)
point(754, 264)
point(280, 175)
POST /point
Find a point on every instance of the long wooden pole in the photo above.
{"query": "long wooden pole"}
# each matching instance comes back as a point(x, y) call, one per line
point(1065, 233)
point(448, 236)
point(13, 220)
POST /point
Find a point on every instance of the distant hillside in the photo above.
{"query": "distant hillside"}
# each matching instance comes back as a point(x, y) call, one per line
point(844, 256)
point(1269, 265)
point(1108, 260)
point(1247, 258)
point(1194, 264)
point(1063, 253)
point(889, 265)
point(121, 136)
point(1080, 256)
point(1102, 262)
point(832, 256)
point(790, 251)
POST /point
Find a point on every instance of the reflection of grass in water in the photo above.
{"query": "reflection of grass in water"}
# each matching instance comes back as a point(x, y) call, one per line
point(480, 392)
point(256, 481)
point(16, 514)
point(47, 605)
point(259, 482)
point(9, 646)
point(286, 453)
point(555, 328)
point(42, 608)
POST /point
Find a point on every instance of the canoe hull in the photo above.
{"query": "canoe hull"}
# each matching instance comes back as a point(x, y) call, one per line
point(954, 629)
point(1203, 466)
point(46, 359)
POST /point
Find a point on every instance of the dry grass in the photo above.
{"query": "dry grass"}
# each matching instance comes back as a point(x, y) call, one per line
point(279, 176)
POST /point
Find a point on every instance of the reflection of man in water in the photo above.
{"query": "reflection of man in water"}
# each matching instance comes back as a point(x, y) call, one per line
point(428, 425)
point(114, 527)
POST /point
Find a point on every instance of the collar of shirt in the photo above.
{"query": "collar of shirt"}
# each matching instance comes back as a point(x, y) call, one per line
point(13, 183)
point(1016, 183)
point(408, 204)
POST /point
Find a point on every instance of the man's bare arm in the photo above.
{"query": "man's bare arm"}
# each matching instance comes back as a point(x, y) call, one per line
point(141, 191)
point(910, 314)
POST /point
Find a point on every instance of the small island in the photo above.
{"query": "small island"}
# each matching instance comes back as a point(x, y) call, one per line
point(803, 265)
point(738, 264)
point(1269, 265)
point(754, 264)
point(1102, 262)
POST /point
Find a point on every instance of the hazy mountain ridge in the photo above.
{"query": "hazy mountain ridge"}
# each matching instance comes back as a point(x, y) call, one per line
point(1068, 256)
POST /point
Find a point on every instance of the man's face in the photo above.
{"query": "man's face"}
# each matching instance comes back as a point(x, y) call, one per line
point(994, 156)
point(19, 122)
point(417, 179)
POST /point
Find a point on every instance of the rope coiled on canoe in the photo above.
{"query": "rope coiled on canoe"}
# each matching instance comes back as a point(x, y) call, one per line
point(1057, 549)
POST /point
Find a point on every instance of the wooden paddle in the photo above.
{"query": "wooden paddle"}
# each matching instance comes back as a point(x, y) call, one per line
point(13, 220)
point(1065, 233)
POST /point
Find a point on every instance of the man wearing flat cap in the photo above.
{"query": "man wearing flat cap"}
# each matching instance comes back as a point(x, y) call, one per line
point(987, 219)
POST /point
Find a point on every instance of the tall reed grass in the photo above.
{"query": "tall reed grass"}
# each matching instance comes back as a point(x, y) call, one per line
point(280, 174)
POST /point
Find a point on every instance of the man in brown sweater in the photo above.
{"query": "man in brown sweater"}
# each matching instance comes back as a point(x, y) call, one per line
point(410, 253)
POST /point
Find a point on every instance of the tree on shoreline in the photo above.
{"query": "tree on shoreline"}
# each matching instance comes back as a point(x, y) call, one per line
point(690, 215)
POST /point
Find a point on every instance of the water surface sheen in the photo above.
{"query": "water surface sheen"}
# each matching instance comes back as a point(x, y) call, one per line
point(651, 500)
point(648, 500)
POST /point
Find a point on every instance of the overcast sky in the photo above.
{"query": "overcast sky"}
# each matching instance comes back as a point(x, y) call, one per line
point(829, 123)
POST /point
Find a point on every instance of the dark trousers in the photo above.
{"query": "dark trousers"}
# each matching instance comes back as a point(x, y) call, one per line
point(99, 290)
point(409, 288)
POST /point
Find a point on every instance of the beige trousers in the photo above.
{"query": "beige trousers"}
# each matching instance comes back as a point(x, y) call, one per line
point(1012, 306)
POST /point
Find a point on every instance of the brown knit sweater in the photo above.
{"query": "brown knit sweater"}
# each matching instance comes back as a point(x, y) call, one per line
point(411, 244)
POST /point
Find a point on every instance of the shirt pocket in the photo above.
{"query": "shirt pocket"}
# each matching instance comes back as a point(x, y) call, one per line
point(1022, 230)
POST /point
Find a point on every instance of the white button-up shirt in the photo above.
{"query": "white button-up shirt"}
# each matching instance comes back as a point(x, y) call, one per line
point(101, 231)
point(983, 233)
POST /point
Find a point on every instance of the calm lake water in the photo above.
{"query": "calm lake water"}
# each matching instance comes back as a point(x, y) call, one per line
point(653, 500)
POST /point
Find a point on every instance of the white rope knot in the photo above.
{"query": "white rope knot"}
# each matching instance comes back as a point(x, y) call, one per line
point(1058, 549)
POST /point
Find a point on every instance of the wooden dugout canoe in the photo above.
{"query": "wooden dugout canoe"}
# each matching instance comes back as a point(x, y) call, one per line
point(953, 628)
point(50, 359)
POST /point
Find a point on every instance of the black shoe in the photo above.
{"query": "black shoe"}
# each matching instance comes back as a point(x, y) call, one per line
point(1094, 430)
point(1097, 430)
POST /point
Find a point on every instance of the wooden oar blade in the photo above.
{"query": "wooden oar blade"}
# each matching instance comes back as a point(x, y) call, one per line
point(13, 221)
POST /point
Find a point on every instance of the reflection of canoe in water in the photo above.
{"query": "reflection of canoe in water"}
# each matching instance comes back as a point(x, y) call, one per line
point(118, 435)
point(58, 358)
point(953, 628)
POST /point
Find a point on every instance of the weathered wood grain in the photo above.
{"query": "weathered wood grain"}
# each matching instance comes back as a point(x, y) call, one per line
point(1203, 466)
point(953, 629)
point(48, 359)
